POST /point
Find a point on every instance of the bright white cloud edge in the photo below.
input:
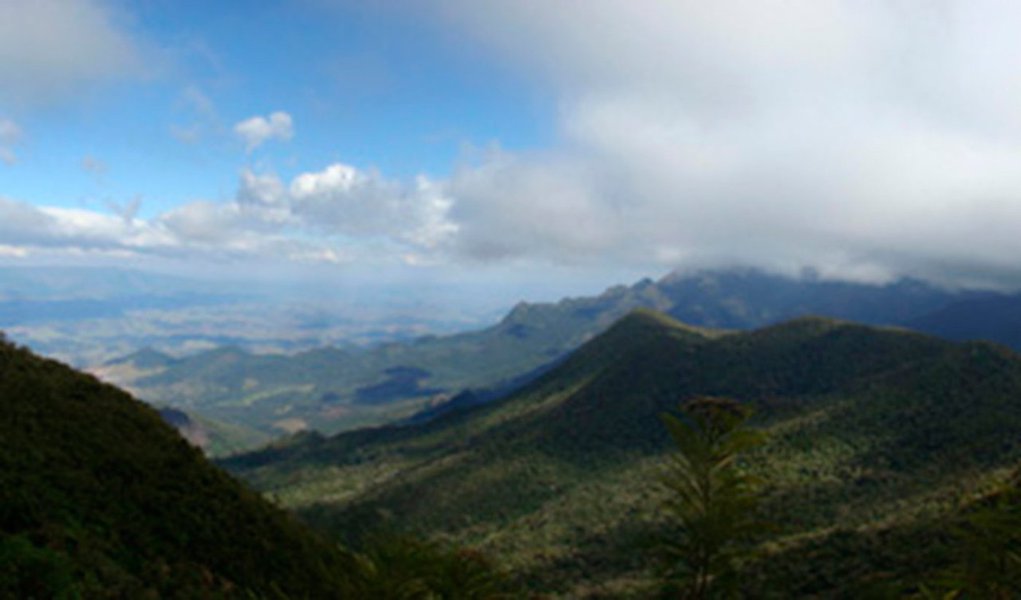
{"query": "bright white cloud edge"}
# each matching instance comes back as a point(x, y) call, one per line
point(258, 130)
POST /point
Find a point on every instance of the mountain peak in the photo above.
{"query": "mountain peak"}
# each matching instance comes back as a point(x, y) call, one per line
point(647, 318)
point(518, 312)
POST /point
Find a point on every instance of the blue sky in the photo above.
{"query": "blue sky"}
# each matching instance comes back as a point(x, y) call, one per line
point(561, 139)
point(367, 87)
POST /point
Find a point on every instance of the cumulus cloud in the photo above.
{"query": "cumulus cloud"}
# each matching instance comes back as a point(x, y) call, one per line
point(339, 214)
point(10, 135)
point(259, 130)
point(200, 230)
point(52, 48)
point(28, 227)
point(865, 139)
point(342, 199)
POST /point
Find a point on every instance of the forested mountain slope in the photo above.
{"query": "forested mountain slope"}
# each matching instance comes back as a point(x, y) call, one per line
point(100, 498)
point(876, 438)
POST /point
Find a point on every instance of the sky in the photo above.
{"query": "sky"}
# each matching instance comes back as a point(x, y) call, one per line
point(552, 140)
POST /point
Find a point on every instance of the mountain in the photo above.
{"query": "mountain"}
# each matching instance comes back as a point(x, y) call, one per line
point(877, 436)
point(995, 318)
point(214, 438)
point(333, 389)
point(100, 498)
point(745, 299)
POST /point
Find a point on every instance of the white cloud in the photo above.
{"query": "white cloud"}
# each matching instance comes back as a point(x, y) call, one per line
point(12, 251)
point(202, 222)
point(856, 137)
point(50, 49)
point(264, 191)
point(10, 135)
point(543, 206)
point(22, 223)
point(259, 130)
point(339, 214)
point(343, 200)
point(74, 230)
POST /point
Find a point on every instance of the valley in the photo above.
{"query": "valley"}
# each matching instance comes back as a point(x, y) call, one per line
point(331, 389)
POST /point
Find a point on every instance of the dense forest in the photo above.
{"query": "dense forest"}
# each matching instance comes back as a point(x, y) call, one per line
point(876, 442)
point(878, 462)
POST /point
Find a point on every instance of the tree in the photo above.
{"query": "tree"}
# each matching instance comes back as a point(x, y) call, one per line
point(401, 567)
point(712, 499)
point(989, 544)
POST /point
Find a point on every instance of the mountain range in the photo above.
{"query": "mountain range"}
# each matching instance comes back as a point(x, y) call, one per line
point(882, 446)
point(878, 439)
point(333, 389)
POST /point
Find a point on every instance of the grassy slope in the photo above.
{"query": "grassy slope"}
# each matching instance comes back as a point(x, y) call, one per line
point(876, 435)
point(98, 497)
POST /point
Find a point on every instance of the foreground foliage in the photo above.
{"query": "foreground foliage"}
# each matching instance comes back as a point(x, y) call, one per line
point(712, 499)
point(988, 549)
point(401, 567)
point(99, 498)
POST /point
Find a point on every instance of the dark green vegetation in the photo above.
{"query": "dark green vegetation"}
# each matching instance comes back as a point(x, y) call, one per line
point(333, 389)
point(877, 440)
point(712, 499)
point(400, 567)
point(988, 549)
point(99, 498)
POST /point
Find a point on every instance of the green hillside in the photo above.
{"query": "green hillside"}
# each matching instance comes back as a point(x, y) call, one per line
point(877, 437)
point(215, 438)
point(99, 498)
point(332, 389)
